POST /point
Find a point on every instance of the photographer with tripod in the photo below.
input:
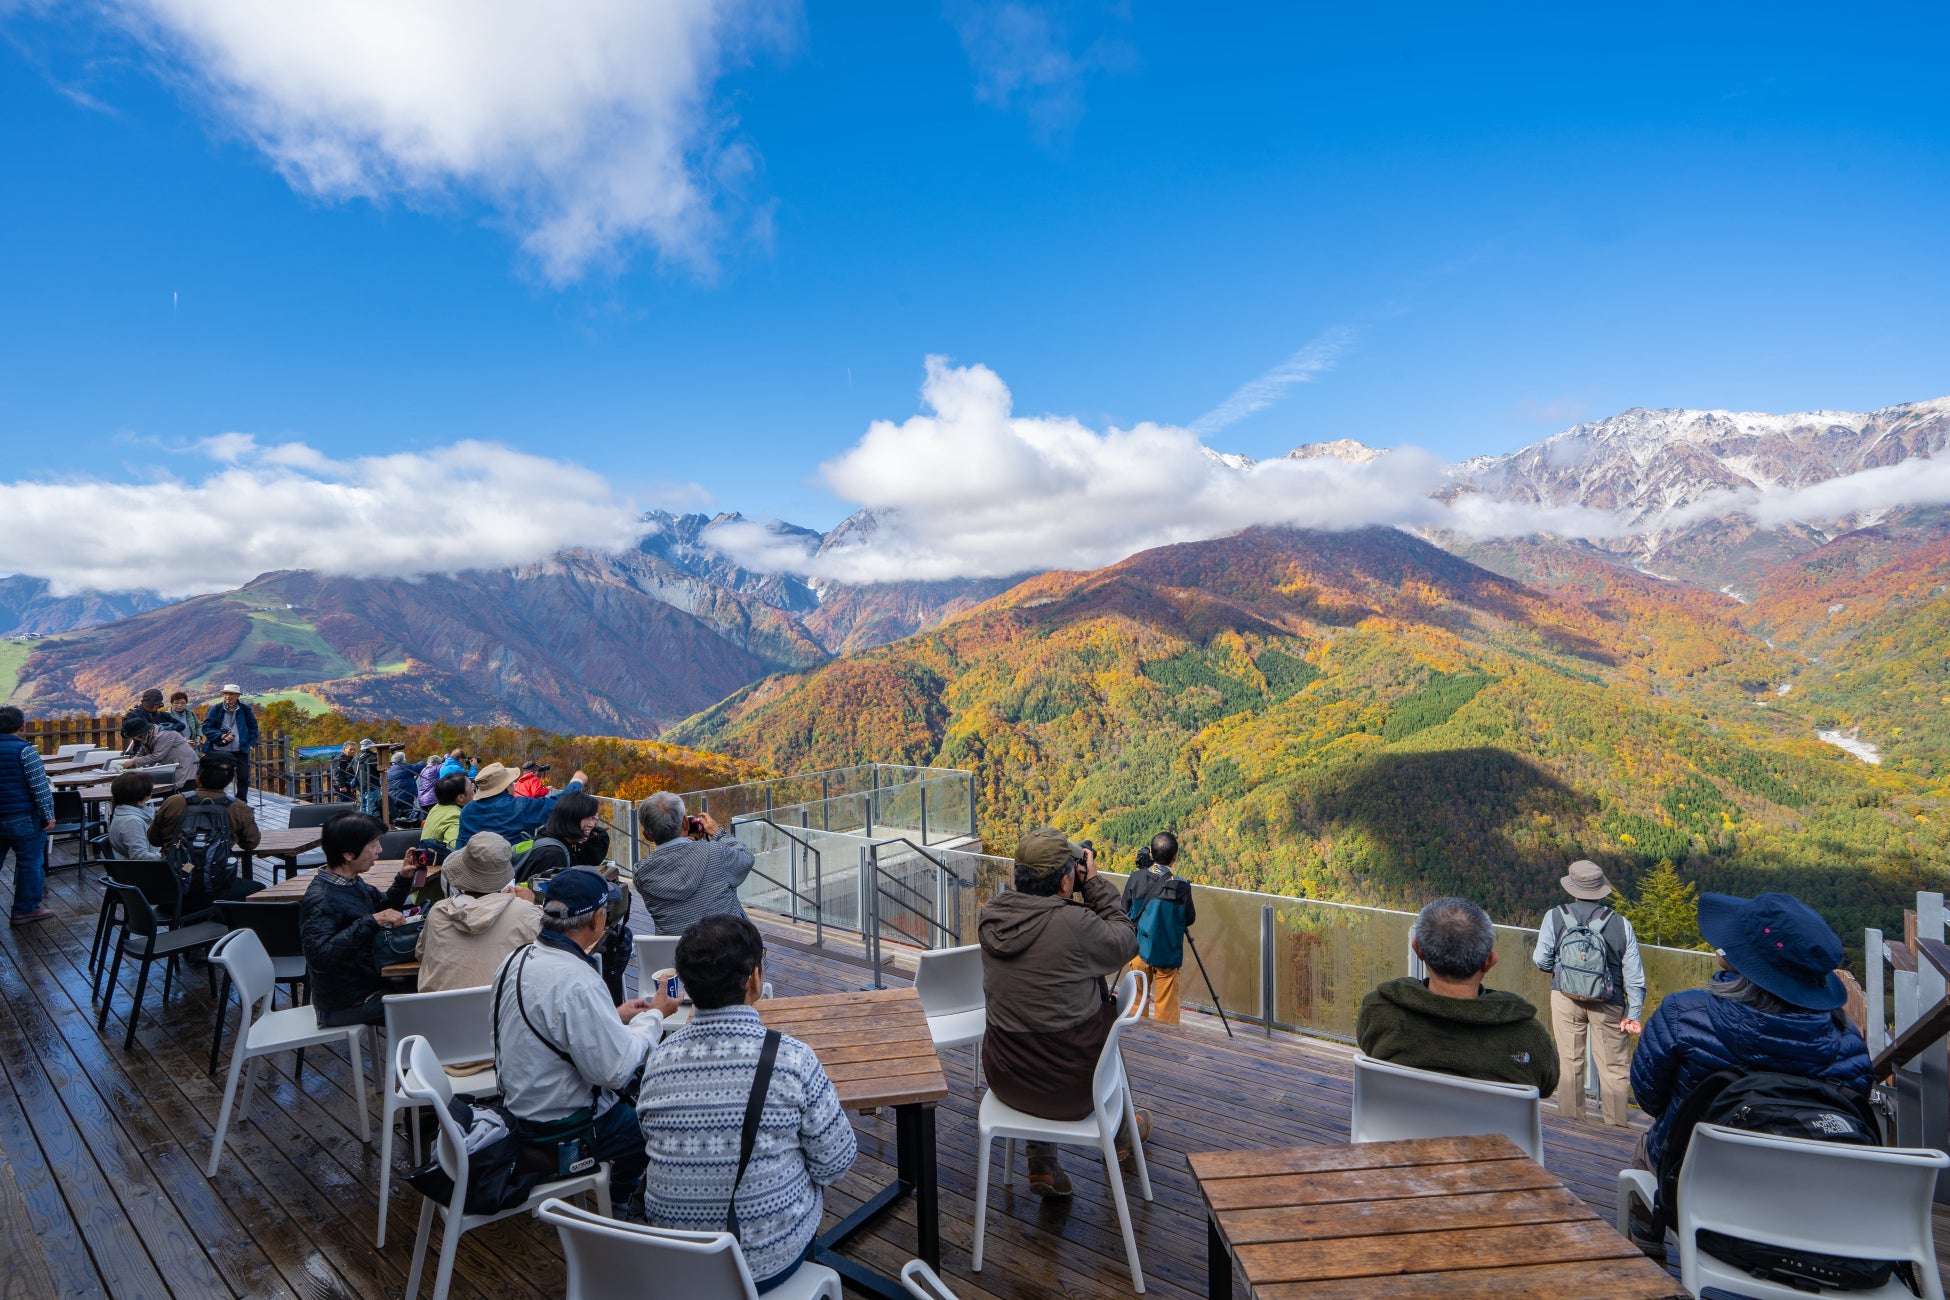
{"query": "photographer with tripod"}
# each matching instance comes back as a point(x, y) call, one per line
point(1160, 905)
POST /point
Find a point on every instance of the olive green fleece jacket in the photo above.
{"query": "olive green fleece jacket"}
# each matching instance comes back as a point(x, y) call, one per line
point(1494, 1035)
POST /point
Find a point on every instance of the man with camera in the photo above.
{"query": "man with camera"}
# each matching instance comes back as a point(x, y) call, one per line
point(694, 868)
point(1160, 905)
point(1047, 946)
point(563, 1051)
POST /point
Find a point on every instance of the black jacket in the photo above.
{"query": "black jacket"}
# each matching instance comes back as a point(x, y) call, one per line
point(336, 927)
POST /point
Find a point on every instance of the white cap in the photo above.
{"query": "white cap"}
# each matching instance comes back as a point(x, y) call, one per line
point(231, 688)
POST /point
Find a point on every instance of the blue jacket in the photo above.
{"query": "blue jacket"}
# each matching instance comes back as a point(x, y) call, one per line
point(1693, 1034)
point(24, 789)
point(246, 721)
point(507, 815)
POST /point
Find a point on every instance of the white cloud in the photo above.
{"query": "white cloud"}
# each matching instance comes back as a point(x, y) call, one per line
point(1021, 57)
point(970, 489)
point(472, 505)
point(586, 124)
point(1316, 358)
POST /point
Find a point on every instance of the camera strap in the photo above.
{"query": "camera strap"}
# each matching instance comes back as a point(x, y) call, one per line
point(521, 1006)
point(768, 1055)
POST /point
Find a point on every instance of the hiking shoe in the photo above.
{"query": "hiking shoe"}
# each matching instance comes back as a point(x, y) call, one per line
point(1651, 1247)
point(1144, 1135)
point(1047, 1179)
point(28, 918)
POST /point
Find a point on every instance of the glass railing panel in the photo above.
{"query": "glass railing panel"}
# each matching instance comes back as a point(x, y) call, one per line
point(619, 819)
point(1326, 958)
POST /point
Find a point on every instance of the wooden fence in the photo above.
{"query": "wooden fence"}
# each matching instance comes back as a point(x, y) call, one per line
point(274, 761)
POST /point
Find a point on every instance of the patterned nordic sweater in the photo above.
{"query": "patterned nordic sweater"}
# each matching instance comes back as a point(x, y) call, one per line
point(692, 1107)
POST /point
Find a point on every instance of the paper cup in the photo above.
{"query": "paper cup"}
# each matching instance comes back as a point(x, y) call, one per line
point(667, 979)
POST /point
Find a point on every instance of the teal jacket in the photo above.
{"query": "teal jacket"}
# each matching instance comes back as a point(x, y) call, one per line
point(1494, 1036)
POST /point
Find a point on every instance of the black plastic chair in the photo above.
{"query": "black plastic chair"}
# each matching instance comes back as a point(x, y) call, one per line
point(394, 844)
point(143, 940)
point(70, 823)
point(160, 885)
point(317, 814)
point(276, 927)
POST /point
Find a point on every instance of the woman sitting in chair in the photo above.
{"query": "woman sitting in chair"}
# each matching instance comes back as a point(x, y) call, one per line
point(128, 820)
point(340, 916)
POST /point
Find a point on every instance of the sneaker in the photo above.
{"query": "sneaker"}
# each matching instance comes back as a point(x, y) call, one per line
point(1047, 1179)
point(28, 918)
point(1144, 1135)
point(1651, 1247)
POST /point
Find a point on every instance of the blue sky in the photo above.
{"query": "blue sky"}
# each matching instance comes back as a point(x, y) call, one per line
point(1508, 220)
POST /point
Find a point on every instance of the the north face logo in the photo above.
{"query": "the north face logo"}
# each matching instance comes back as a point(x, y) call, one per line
point(1832, 1124)
point(1521, 1058)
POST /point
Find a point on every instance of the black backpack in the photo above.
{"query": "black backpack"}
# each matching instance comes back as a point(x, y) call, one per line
point(1785, 1105)
point(202, 846)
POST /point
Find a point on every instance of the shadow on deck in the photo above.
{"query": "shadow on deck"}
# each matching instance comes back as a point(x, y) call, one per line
point(102, 1191)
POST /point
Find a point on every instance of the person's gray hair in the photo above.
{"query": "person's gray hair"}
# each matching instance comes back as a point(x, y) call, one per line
point(556, 919)
point(1456, 937)
point(661, 817)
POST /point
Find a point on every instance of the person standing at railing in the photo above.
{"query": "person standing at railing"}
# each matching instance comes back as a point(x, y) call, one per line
point(1160, 905)
point(230, 729)
point(694, 868)
point(1597, 991)
point(186, 720)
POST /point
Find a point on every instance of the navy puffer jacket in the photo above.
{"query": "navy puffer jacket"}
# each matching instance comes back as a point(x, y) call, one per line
point(1693, 1034)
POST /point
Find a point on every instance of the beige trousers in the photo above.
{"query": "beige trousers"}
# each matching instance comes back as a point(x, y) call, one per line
point(1163, 1002)
point(1572, 1023)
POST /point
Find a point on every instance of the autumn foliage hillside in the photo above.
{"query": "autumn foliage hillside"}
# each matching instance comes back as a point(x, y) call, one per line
point(1363, 717)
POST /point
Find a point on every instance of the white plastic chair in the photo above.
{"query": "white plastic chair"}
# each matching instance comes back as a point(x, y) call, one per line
point(1111, 1092)
point(457, 1024)
point(920, 1281)
point(262, 1031)
point(615, 1261)
point(69, 751)
point(1857, 1202)
point(425, 1083)
point(96, 757)
point(949, 984)
point(654, 952)
point(1393, 1102)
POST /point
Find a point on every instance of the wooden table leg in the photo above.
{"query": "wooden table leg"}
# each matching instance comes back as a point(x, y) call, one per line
point(1218, 1262)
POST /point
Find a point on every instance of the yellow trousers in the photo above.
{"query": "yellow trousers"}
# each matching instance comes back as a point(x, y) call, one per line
point(1163, 1003)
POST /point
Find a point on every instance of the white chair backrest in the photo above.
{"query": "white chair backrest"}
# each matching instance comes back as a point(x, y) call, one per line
point(949, 980)
point(96, 757)
point(1860, 1202)
point(242, 954)
point(609, 1260)
point(922, 1281)
point(654, 952)
point(456, 1023)
point(1108, 1083)
point(417, 1074)
point(1393, 1102)
point(69, 751)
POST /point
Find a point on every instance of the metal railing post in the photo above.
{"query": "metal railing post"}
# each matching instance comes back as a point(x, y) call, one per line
point(924, 812)
point(825, 801)
point(1266, 967)
point(1872, 980)
point(971, 805)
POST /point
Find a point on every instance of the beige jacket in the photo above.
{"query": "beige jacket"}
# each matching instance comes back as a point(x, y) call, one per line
point(466, 939)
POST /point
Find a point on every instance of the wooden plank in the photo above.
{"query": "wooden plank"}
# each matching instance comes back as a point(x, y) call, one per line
point(1937, 953)
point(1901, 955)
point(1375, 1184)
point(1604, 1279)
point(1416, 1214)
point(24, 1272)
point(1431, 1252)
point(1363, 1155)
point(1905, 1046)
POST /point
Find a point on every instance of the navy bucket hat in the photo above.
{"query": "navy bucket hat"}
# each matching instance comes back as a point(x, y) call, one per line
point(1778, 942)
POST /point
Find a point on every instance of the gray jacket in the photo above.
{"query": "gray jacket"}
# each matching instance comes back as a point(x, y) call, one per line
point(565, 1002)
point(685, 880)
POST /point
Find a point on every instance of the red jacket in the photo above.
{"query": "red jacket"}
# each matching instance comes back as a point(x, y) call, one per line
point(529, 785)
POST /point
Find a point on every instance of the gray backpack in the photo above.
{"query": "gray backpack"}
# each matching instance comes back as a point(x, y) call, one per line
point(1584, 958)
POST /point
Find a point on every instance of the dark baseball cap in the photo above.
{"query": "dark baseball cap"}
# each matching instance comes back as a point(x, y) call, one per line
point(1047, 851)
point(580, 892)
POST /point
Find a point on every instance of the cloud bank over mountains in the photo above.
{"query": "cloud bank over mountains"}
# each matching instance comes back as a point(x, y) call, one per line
point(588, 127)
point(471, 505)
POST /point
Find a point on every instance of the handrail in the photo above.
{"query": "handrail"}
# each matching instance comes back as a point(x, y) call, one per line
point(818, 860)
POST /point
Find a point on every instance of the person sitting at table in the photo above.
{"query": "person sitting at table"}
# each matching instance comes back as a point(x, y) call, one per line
point(510, 816)
point(573, 836)
point(692, 1109)
point(169, 753)
point(443, 819)
point(340, 916)
point(129, 817)
point(151, 707)
point(1047, 946)
point(209, 868)
point(562, 1049)
point(1449, 1021)
point(470, 931)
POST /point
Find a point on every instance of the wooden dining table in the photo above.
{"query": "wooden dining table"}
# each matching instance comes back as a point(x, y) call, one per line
point(284, 844)
point(1425, 1219)
point(876, 1048)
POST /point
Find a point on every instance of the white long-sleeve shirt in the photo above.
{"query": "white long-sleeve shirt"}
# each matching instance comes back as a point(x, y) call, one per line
point(566, 1003)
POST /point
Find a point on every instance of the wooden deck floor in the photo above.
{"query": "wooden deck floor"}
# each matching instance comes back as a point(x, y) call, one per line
point(102, 1190)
